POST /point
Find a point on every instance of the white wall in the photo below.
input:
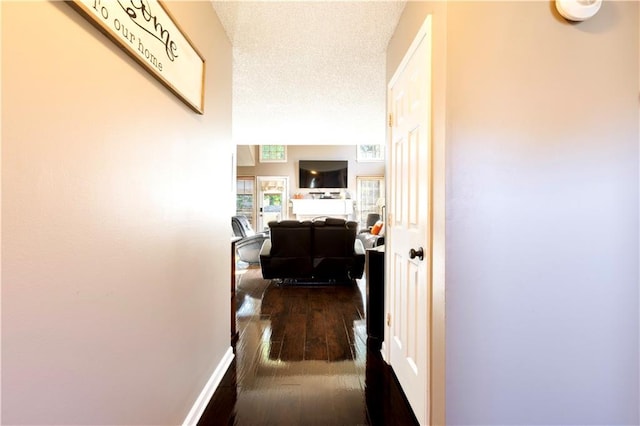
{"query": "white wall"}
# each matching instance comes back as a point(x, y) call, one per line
point(115, 286)
point(542, 211)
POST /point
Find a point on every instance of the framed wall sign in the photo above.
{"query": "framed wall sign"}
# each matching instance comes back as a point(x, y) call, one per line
point(147, 32)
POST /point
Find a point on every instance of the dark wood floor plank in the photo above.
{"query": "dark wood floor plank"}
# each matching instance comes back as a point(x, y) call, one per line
point(338, 343)
point(315, 347)
point(303, 358)
point(294, 337)
point(296, 299)
point(273, 302)
point(275, 347)
point(317, 299)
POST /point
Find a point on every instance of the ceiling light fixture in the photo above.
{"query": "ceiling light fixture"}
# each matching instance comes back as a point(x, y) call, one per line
point(578, 10)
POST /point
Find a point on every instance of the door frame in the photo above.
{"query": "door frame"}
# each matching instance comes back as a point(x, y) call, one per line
point(260, 199)
point(436, 391)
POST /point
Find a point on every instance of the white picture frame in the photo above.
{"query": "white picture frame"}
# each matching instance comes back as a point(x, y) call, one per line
point(148, 33)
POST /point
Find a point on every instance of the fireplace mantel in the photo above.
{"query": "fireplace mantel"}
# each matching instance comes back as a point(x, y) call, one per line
point(306, 209)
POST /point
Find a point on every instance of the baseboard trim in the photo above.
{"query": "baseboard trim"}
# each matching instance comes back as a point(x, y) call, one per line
point(207, 392)
point(383, 352)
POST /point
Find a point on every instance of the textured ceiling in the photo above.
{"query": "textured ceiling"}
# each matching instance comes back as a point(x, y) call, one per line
point(309, 72)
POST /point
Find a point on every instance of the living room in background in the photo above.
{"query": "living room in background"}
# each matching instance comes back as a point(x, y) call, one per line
point(245, 198)
point(273, 153)
point(272, 200)
point(370, 197)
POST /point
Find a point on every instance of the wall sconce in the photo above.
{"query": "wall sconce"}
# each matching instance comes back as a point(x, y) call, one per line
point(578, 10)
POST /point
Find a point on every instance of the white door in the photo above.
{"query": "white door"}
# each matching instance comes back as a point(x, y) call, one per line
point(273, 200)
point(408, 248)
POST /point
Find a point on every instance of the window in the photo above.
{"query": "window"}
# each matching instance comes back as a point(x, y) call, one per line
point(373, 152)
point(370, 197)
point(273, 153)
point(245, 198)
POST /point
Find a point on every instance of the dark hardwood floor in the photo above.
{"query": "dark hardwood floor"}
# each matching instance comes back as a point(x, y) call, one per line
point(302, 358)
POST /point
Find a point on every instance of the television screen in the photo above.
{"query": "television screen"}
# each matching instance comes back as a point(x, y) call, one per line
point(323, 173)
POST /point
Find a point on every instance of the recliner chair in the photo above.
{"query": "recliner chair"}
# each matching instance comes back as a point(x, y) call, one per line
point(372, 218)
point(250, 242)
point(368, 239)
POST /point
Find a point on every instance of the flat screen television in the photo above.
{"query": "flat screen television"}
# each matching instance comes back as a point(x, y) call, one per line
point(323, 173)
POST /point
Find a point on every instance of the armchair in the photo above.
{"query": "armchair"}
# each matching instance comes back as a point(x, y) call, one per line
point(372, 218)
point(250, 242)
point(371, 236)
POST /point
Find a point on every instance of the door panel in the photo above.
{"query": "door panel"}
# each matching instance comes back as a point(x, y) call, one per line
point(273, 200)
point(409, 279)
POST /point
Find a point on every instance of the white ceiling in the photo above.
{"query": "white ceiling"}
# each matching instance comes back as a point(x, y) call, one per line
point(309, 72)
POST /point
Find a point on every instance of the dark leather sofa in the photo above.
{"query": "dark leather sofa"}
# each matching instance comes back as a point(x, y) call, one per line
point(319, 250)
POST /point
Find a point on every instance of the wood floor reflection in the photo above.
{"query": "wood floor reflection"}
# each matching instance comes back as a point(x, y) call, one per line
point(302, 359)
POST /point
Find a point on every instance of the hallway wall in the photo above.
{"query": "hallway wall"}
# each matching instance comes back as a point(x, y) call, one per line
point(116, 200)
point(541, 137)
